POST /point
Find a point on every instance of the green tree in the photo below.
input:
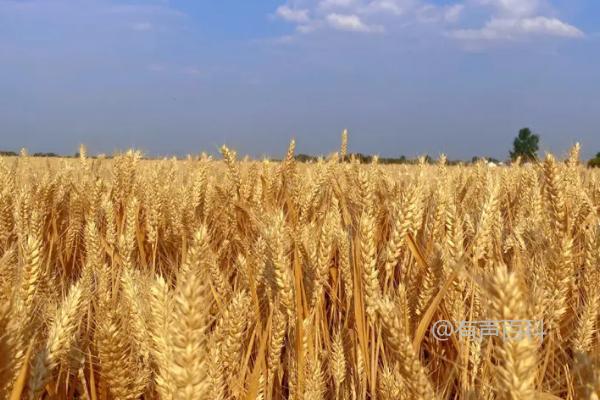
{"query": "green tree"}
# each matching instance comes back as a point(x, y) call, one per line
point(595, 162)
point(525, 145)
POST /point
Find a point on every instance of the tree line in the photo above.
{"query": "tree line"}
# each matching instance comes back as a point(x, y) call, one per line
point(525, 148)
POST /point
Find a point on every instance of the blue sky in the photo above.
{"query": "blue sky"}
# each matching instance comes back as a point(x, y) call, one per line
point(404, 76)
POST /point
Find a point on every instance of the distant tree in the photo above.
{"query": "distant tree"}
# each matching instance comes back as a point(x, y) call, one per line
point(45, 155)
point(525, 145)
point(475, 159)
point(393, 160)
point(363, 158)
point(595, 162)
point(304, 158)
point(7, 153)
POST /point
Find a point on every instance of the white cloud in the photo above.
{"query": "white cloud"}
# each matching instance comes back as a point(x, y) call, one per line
point(517, 20)
point(396, 7)
point(330, 4)
point(308, 28)
point(350, 22)
point(506, 19)
point(430, 13)
point(292, 15)
point(141, 10)
point(517, 28)
point(367, 16)
point(390, 7)
point(517, 8)
point(453, 12)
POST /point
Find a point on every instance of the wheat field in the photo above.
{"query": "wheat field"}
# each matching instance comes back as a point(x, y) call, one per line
point(205, 278)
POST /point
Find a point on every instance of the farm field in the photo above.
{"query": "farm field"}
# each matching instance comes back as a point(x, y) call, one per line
point(205, 278)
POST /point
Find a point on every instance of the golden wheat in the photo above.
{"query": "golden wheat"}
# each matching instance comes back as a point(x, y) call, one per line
point(128, 278)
